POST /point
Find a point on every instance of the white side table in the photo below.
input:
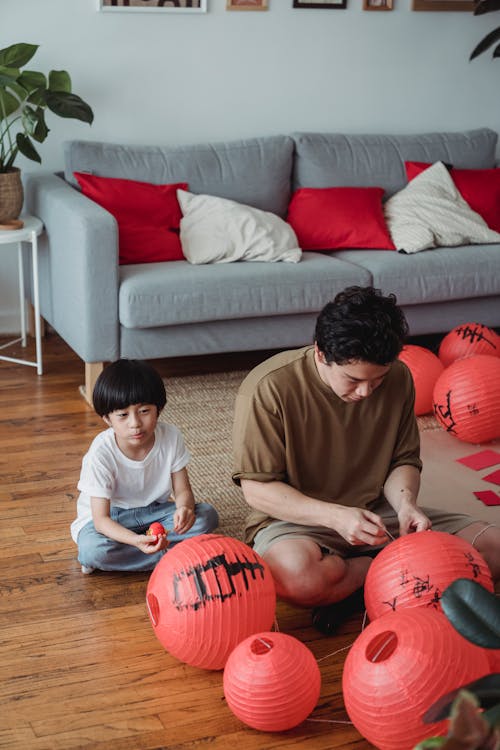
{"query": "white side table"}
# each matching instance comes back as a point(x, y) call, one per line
point(28, 233)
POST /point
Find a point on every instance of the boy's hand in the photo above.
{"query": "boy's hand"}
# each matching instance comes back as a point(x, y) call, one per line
point(183, 519)
point(151, 543)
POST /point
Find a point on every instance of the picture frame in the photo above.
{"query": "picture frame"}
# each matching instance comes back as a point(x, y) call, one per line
point(466, 6)
point(152, 6)
point(340, 4)
point(247, 4)
point(378, 4)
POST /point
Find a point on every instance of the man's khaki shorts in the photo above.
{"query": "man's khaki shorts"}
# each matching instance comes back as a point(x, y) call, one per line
point(331, 542)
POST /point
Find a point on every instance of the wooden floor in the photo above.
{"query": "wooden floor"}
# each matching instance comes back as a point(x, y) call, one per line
point(80, 665)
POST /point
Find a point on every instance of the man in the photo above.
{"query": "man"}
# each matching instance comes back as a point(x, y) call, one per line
point(326, 450)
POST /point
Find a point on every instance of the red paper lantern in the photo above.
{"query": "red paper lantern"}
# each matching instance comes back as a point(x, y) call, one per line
point(425, 368)
point(271, 682)
point(398, 667)
point(467, 399)
point(467, 340)
point(414, 570)
point(206, 595)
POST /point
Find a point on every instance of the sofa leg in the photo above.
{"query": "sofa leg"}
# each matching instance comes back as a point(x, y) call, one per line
point(92, 372)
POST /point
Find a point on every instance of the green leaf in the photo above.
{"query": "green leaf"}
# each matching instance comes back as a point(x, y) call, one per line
point(41, 130)
point(486, 690)
point(473, 611)
point(59, 80)
point(8, 104)
point(69, 105)
point(8, 75)
point(31, 80)
point(37, 97)
point(484, 44)
point(17, 55)
point(26, 148)
point(486, 6)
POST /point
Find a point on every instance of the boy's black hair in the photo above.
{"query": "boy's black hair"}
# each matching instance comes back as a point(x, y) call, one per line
point(361, 324)
point(126, 382)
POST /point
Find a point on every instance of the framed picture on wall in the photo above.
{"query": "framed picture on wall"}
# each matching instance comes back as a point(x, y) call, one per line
point(152, 6)
point(246, 4)
point(319, 4)
point(377, 4)
point(443, 5)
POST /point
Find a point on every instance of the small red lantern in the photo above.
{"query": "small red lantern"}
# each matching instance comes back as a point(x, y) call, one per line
point(467, 399)
point(425, 368)
point(272, 682)
point(414, 570)
point(398, 667)
point(206, 595)
point(467, 340)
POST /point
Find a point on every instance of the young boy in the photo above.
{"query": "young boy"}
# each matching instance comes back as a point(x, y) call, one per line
point(130, 475)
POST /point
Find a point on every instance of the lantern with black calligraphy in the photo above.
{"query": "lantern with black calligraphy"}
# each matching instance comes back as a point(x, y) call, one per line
point(206, 595)
point(398, 667)
point(467, 399)
point(272, 682)
point(414, 570)
point(467, 340)
point(425, 368)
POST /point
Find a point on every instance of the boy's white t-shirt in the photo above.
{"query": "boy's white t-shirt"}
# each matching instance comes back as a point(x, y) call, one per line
point(107, 472)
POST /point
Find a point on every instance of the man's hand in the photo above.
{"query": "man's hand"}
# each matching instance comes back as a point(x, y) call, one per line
point(359, 526)
point(149, 544)
point(411, 519)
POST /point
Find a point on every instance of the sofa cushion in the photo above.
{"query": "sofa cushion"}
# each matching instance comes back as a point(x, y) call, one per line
point(444, 274)
point(430, 212)
point(479, 187)
point(256, 171)
point(331, 218)
point(148, 216)
point(332, 159)
point(166, 294)
point(217, 230)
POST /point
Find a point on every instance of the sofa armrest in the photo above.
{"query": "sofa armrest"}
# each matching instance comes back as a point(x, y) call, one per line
point(78, 266)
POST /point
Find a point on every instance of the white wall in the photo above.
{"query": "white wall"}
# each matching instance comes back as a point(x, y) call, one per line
point(164, 78)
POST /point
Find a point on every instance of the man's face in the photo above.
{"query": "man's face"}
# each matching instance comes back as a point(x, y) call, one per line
point(352, 381)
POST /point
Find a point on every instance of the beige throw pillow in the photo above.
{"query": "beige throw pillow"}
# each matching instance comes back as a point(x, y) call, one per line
point(430, 212)
point(218, 230)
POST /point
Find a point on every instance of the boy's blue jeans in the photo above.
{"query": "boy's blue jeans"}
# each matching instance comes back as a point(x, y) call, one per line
point(98, 551)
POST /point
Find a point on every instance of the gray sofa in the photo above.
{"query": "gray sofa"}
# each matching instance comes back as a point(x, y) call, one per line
point(146, 311)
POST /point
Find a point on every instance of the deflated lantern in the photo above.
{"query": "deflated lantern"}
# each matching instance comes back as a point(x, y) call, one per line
point(414, 570)
point(208, 594)
point(272, 682)
point(398, 667)
point(425, 368)
point(467, 399)
point(467, 340)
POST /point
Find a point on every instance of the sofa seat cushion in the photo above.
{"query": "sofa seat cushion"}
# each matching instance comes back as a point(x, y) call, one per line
point(333, 159)
point(256, 171)
point(440, 275)
point(163, 294)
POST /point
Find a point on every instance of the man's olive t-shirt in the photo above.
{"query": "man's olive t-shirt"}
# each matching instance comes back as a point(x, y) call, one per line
point(291, 427)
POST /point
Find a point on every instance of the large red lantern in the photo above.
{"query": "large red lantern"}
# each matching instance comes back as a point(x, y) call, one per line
point(272, 682)
point(467, 399)
point(206, 595)
point(398, 667)
point(467, 340)
point(414, 570)
point(425, 368)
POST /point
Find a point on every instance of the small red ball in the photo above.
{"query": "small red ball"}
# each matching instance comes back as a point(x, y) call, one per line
point(155, 529)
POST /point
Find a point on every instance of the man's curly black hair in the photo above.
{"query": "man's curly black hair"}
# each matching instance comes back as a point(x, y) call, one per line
point(361, 324)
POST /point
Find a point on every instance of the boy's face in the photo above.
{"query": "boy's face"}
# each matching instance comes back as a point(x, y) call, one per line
point(134, 428)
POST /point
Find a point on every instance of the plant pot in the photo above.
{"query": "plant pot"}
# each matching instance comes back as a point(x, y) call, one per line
point(11, 195)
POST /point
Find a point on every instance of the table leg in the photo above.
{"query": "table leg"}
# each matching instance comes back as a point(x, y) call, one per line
point(36, 300)
point(22, 302)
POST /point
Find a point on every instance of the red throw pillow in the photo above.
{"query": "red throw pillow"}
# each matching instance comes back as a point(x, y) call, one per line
point(148, 216)
point(339, 217)
point(480, 188)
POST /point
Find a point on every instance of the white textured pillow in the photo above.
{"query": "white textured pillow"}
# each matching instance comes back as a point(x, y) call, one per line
point(430, 212)
point(217, 230)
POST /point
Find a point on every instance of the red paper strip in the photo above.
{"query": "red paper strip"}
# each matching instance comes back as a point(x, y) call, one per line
point(493, 477)
point(480, 460)
point(488, 497)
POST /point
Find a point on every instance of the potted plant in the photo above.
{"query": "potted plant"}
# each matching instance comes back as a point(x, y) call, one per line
point(25, 95)
point(487, 6)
